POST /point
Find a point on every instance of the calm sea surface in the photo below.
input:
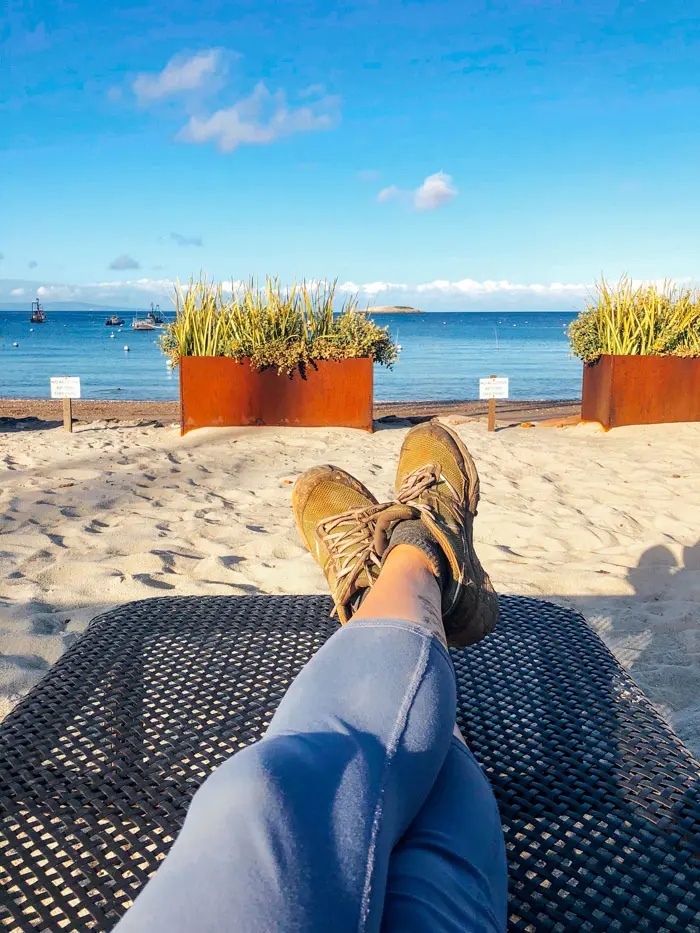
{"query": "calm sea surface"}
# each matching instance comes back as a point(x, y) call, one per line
point(442, 357)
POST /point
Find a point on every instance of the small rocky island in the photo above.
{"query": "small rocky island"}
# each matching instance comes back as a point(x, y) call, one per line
point(394, 309)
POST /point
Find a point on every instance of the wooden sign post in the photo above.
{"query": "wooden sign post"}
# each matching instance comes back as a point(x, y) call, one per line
point(67, 388)
point(492, 414)
point(493, 388)
point(68, 414)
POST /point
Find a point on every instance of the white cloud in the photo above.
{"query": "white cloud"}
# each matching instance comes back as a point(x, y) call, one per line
point(152, 286)
point(313, 90)
point(183, 240)
point(237, 285)
point(391, 193)
point(129, 293)
point(124, 261)
point(376, 288)
point(59, 292)
point(257, 119)
point(437, 295)
point(181, 74)
point(468, 288)
point(503, 286)
point(436, 191)
point(260, 118)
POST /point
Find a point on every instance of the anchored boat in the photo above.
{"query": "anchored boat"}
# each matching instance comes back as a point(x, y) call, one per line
point(38, 313)
point(142, 324)
point(154, 315)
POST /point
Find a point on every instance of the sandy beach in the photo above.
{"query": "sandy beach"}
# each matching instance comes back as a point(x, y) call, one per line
point(118, 511)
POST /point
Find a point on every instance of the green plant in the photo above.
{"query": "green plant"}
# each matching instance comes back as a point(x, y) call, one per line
point(273, 326)
point(643, 320)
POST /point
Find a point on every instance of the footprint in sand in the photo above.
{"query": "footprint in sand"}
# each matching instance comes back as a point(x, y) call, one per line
point(28, 662)
point(287, 551)
point(47, 625)
point(95, 527)
point(148, 580)
point(231, 560)
point(202, 515)
point(56, 539)
point(168, 559)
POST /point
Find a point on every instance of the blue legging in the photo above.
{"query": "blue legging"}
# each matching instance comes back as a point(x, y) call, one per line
point(358, 811)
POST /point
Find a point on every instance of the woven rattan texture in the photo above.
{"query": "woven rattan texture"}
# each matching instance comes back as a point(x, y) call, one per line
point(599, 801)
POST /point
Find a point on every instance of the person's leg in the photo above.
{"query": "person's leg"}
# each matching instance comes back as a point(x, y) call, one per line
point(449, 871)
point(409, 590)
point(295, 832)
point(448, 874)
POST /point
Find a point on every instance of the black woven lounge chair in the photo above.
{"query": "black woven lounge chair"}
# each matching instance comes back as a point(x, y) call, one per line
point(599, 801)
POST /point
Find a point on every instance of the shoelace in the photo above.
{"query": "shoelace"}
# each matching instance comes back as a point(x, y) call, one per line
point(421, 480)
point(355, 539)
point(349, 539)
point(418, 482)
point(352, 540)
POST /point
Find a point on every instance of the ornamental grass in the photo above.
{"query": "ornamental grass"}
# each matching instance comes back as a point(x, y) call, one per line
point(273, 326)
point(638, 320)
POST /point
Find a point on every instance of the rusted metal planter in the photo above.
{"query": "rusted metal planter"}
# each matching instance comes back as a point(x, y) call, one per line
point(221, 392)
point(619, 390)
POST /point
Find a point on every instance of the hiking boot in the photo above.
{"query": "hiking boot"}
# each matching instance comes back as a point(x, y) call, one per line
point(437, 477)
point(338, 518)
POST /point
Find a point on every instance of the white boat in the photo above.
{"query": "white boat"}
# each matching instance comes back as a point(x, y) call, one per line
point(143, 324)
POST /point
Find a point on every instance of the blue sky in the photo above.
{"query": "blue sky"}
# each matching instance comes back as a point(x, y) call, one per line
point(446, 154)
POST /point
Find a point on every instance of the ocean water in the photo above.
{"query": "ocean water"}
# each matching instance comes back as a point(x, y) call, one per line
point(443, 356)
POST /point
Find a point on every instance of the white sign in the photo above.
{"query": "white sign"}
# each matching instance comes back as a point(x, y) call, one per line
point(494, 387)
point(65, 387)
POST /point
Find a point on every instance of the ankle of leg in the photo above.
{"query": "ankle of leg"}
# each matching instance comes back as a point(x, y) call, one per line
point(413, 537)
point(410, 558)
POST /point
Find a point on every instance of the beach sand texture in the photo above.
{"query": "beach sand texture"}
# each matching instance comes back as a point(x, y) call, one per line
point(609, 524)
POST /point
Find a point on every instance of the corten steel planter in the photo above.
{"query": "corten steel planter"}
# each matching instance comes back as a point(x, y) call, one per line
point(619, 390)
point(221, 392)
